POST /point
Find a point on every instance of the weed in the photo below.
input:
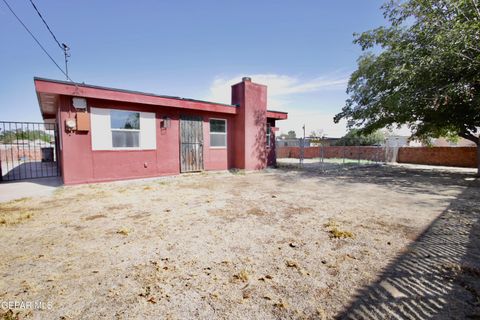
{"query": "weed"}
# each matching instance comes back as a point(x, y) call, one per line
point(123, 231)
point(242, 275)
point(9, 315)
point(337, 234)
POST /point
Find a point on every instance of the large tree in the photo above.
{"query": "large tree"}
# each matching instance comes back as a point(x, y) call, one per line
point(421, 70)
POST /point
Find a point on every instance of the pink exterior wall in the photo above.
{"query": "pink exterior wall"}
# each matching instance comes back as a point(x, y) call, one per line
point(246, 131)
point(81, 164)
point(250, 144)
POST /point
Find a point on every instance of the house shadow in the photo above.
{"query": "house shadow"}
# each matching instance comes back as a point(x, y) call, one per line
point(42, 173)
point(438, 275)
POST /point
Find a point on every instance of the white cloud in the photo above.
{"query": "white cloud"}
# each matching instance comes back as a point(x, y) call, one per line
point(280, 87)
point(284, 93)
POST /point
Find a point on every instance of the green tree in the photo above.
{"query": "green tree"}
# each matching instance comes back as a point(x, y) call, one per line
point(426, 74)
point(355, 137)
point(291, 134)
point(13, 136)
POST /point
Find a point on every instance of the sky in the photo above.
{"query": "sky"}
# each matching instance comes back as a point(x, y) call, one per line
point(302, 50)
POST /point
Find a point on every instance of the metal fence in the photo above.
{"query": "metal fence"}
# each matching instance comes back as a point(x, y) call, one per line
point(323, 155)
point(28, 150)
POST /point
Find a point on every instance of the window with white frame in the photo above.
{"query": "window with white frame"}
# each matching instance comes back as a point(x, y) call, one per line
point(114, 129)
point(125, 126)
point(218, 133)
point(269, 135)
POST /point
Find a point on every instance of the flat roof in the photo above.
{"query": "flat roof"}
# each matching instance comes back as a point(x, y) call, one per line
point(48, 91)
point(85, 85)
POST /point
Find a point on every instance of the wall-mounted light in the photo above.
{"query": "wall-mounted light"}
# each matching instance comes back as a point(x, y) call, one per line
point(165, 122)
point(79, 103)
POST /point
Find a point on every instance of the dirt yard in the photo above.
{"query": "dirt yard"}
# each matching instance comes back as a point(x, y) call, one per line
point(372, 242)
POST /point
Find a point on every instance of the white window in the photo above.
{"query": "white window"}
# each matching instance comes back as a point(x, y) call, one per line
point(122, 130)
point(125, 126)
point(218, 133)
point(269, 135)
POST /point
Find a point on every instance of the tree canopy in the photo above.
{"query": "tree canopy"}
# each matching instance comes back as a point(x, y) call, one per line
point(18, 135)
point(425, 73)
point(355, 137)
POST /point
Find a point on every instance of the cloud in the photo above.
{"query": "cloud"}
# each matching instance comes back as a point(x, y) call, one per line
point(280, 87)
point(289, 93)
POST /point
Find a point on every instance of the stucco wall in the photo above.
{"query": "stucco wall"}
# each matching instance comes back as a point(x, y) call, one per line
point(81, 164)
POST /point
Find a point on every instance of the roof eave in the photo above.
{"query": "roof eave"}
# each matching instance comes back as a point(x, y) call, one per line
point(55, 87)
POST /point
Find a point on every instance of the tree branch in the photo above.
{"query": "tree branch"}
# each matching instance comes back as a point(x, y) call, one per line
point(469, 136)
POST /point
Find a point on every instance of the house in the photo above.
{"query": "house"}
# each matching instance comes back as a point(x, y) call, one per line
point(107, 134)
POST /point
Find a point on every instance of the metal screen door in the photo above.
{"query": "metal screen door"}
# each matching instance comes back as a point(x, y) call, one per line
point(191, 143)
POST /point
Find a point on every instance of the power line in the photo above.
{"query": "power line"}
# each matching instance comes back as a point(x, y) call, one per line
point(62, 46)
point(36, 40)
point(46, 24)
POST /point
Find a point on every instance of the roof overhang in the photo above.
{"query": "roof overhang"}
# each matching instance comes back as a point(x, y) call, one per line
point(48, 92)
point(277, 115)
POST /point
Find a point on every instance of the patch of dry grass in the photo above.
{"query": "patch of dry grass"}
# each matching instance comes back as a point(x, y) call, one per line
point(337, 233)
point(242, 275)
point(14, 212)
point(123, 231)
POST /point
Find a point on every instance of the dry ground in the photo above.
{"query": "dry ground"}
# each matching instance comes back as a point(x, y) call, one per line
point(266, 245)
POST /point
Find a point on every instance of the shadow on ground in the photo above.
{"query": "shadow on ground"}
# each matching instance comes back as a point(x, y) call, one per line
point(438, 275)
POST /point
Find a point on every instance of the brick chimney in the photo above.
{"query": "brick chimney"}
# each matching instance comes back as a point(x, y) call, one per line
point(250, 124)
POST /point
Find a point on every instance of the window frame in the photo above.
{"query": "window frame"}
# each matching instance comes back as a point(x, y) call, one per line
point(268, 136)
point(218, 133)
point(139, 130)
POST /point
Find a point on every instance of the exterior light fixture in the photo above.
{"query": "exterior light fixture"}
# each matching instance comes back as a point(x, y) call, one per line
point(79, 103)
point(165, 123)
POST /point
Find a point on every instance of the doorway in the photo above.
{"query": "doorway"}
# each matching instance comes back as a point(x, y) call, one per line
point(191, 143)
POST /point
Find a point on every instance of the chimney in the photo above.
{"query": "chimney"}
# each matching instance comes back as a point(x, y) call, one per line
point(250, 124)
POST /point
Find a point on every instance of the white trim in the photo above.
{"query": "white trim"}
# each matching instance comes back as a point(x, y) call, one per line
point(101, 134)
point(219, 133)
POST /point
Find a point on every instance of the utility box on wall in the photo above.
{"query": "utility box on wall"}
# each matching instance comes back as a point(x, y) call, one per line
point(83, 121)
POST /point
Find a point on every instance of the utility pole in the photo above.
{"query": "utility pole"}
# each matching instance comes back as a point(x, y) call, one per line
point(65, 49)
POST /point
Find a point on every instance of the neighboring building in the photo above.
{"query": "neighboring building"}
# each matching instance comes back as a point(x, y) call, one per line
point(111, 134)
point(288, 142)
point(396, 141)
point(461, 142)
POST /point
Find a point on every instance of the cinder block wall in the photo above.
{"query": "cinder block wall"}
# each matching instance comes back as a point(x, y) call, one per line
point(439, 156)
point(348, 152)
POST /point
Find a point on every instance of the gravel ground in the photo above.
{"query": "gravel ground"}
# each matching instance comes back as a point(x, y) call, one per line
point(277, 244)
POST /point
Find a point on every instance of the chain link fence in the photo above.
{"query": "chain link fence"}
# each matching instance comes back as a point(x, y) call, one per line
point(324, 154)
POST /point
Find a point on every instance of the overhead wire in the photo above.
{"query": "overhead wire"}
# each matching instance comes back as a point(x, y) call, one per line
point(37, 41)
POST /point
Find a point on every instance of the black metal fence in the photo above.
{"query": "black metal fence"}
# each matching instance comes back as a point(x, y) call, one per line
point(28, 150)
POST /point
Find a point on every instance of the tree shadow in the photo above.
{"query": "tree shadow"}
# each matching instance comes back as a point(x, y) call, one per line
point(398, 179)
point(438, 277)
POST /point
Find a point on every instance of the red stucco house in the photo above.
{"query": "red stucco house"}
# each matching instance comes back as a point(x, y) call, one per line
point(107, 134)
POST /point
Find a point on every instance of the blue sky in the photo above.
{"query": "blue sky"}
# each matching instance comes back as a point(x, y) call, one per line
point(302, 50)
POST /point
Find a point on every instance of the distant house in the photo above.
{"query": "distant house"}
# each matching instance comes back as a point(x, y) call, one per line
point(397, 141)
point(112, 134)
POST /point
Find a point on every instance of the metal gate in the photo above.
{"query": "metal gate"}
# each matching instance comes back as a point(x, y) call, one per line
point(191, 143)
point(28, 150)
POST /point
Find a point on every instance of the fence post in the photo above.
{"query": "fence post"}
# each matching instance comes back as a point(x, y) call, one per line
point(358, 153)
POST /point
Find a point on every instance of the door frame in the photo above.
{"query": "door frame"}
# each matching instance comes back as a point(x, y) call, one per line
point(200, 154)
